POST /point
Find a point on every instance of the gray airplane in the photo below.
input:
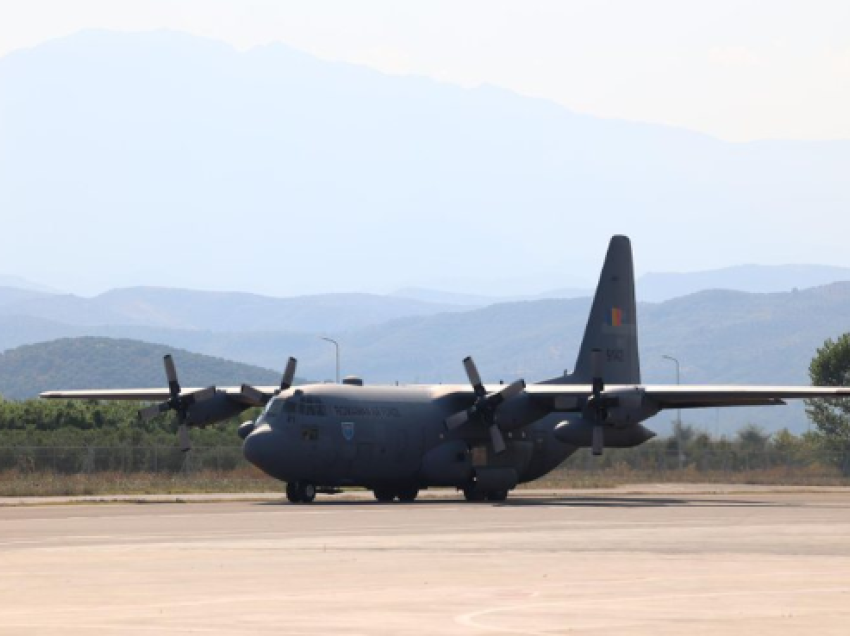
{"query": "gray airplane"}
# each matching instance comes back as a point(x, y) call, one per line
point(481, 439)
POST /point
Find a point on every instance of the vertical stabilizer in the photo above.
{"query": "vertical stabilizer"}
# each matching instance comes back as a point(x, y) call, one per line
point(612, 325)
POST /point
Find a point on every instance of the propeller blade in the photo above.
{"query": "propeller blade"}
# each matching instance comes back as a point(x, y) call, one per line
point(512, 390)
point(457, 420)
point(199, 396)
point(497, 439)
point(288, 374)
point(474, 376)
point(150, 412)
point(596, 363)
point(598, 439)
point(171, 374)
point(183, 437)
point(252, 395)
point(596, 369)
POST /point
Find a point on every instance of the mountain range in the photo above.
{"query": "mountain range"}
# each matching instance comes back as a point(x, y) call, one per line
point(169, 160)
point(661, 286)
point(718, 336)
point(239, 311)
point(215, 311)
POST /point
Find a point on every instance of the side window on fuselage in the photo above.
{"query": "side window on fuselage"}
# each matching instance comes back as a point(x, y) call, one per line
point(306, 405)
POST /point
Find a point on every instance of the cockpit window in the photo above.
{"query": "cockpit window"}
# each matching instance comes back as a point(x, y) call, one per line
point(273, 409)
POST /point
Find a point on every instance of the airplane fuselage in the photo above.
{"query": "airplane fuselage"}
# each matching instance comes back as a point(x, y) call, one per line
point(339, 435)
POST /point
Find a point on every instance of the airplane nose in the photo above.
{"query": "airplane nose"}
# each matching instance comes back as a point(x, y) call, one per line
point(261, 448)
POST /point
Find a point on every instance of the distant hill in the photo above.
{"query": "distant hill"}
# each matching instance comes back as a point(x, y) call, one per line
point(217, 311)
point(22, 283)
point(658, 287)
point(474, 300)
point(16, 295)
point(85, 363)
point(719, 336)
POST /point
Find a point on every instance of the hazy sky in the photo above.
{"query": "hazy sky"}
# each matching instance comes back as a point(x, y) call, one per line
point(737, 69)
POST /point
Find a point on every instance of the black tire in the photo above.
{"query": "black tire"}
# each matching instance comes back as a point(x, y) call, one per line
point(384, 495)
point(292, 492)
point(307, 491)
point(408, 495)
point(497, 495)
point(471, 494)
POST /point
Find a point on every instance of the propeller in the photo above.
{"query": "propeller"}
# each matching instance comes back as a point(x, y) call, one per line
point(597, 406)
point(288, 375)
point(255, 397)
point(485, 405)
point(179, 402)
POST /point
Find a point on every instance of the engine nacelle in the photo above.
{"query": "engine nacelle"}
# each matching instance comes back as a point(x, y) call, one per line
point(579, 432)
point(245, 429)
point(216, 409)
point(626, 407)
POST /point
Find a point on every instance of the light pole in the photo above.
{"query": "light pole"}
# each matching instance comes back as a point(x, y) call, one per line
point(336, 345)
point(678, 414)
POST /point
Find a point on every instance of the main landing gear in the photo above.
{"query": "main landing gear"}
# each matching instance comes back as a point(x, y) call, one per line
point(300, 491)
point(471, 493)
point(404, 495)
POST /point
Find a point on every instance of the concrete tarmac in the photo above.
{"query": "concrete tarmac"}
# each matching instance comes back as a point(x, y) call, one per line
point(572, 563)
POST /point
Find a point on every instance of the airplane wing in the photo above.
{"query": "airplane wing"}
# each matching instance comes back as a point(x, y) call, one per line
point(565, 397)
point(245, 394)
point(684, 397)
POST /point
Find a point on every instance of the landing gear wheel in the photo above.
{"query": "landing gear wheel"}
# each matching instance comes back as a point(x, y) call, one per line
point(497, 495)
point(292, 493)
point(384, 495)
point(308, 492)
point(471, 494)
point(300, 492)
point(407, 495)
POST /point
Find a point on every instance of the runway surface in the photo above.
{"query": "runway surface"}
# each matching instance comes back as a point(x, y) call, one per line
point(655, 564)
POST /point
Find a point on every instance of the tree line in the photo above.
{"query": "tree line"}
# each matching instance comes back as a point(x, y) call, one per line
point(92, 423)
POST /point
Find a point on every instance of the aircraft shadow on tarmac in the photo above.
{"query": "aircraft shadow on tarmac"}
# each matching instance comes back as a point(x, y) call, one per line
point(566, 502)
point(639, 502)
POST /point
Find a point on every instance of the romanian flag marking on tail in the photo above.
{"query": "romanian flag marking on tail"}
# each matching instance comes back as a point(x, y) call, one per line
point(615, 319)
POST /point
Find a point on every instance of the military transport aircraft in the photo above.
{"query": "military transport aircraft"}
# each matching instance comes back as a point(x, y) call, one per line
point(481, 439)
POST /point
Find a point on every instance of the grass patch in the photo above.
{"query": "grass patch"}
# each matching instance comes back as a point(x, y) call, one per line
point(623, 475)
point(15, 483)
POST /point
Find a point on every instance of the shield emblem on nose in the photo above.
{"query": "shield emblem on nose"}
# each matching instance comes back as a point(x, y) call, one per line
point(347, 430)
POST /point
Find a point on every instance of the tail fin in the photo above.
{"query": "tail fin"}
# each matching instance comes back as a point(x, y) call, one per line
point(612, 325)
